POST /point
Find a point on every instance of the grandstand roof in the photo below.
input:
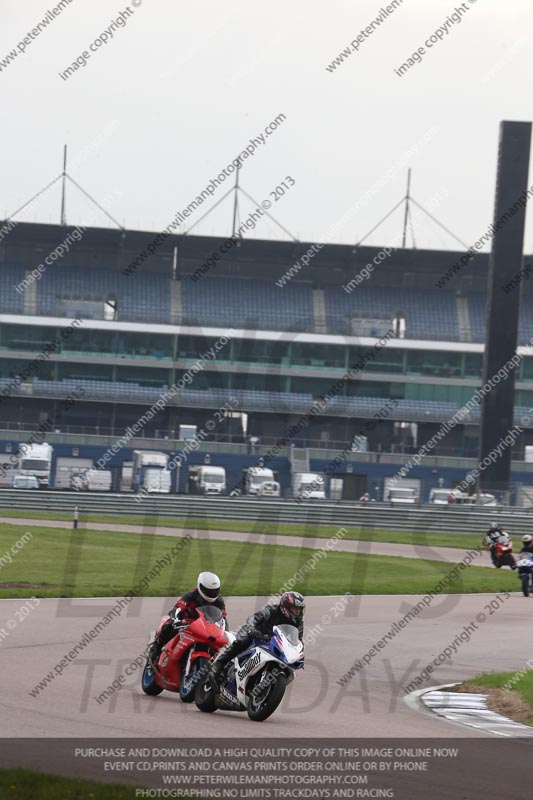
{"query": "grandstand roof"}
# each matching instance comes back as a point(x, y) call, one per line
point(115, 249)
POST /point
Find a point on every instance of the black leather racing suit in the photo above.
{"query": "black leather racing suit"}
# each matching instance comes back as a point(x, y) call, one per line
point(260, 624)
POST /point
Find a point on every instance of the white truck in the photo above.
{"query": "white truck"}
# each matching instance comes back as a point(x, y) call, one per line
point(308, 486)
point(462, 498)
point(207, 480)
point(440, 496)
point(36, 459)
point(403, 492)
point(402, 496)
point(92, 480)
point(255, 477)
point(150, 472)
point(269, 489)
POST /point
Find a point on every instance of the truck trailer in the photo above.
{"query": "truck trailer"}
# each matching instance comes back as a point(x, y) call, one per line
point(150, 472)
point(36, 459)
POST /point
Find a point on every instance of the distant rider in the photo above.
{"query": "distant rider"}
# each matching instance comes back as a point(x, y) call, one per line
point(527, 544)
point(494, 536)
point(289, 611)
point(207, 591)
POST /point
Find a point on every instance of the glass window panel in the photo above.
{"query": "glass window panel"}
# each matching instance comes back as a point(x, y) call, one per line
point(95, 372)
point(386, 360)
point(436, 363)
point(142, 375)
point(473, 365)
point(318, 355)
point(527, 369)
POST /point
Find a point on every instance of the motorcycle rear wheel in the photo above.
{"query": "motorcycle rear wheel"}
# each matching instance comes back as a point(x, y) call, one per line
point(189, 682)
point(525, 584)
point(263, 708)
point(148, 683)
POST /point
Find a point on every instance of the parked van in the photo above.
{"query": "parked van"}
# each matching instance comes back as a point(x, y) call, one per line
point(25, 482)
point(207, 479)
point(441, 497)
point(483, 499)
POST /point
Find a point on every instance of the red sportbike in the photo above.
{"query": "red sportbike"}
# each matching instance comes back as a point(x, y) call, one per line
point(502, 555)
point(185, 658)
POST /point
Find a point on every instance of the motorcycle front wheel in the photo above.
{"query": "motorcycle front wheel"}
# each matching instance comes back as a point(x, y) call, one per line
point(189, 682)
point(262, 704)
point(205, 696)
point(148, 682)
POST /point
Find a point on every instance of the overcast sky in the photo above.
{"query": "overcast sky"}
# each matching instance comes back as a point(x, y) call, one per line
point(180, 90)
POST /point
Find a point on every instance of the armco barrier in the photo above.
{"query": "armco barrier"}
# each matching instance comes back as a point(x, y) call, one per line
point(444, 519)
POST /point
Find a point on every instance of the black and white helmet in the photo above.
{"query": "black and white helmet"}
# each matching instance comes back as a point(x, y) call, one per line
point(495, 532)
point(208, 585)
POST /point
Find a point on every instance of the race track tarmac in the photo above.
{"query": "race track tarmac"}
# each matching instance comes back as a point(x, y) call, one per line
point(370, 705)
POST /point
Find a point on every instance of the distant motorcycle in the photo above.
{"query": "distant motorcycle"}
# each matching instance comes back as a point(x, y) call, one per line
point(525, 572)
point(186, 657)
point(501, 554)
point(255, 681)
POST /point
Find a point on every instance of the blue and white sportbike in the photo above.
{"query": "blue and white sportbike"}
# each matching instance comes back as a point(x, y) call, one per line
point(255, 681)
point(525, 572)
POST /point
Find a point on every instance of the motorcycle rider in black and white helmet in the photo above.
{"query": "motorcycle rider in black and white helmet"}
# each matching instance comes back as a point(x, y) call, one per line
point(496, 535)
point(289, 610)
point(527, 544)
point(184, 611)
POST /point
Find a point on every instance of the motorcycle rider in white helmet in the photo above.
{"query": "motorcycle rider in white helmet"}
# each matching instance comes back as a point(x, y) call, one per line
point(527, 544)
point(494, 536)
point(184, 611)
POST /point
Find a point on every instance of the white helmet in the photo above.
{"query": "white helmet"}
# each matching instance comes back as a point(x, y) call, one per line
point(208, 586)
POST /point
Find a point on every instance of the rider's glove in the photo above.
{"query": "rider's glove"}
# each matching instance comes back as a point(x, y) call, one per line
point(176, 619)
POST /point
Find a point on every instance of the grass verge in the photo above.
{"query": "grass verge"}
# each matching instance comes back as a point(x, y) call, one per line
point(23, 784)
point(83, 563)
point(508, 693)
point(429, 539)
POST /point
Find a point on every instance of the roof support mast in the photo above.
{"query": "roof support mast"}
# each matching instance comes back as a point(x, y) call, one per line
point(63, 187)
point(408, 219)
point(407, 198)
point(236, 200)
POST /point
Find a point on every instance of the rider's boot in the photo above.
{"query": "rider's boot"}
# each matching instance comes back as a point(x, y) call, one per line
point(223, 658)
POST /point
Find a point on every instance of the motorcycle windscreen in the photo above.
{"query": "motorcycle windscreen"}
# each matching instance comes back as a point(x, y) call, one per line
point(211, 613)
point(290, 632)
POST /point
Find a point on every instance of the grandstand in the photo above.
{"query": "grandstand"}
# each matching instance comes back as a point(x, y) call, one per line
point(142, 331)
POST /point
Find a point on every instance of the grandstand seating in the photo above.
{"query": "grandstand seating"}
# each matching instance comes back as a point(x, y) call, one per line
point(248, 303)
point(11, 301)
point(256, 304)
point(428, 314)
point(477, 305)
point(249, 400)
point(141, 297)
